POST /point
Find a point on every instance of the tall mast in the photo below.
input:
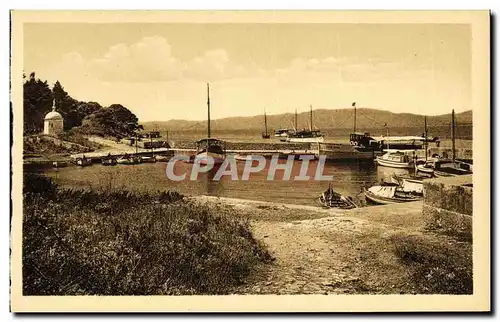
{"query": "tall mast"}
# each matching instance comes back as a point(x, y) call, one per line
point(295, 119)
point(311, 117)
point(208, 105)
point(453, 135)
point(425, 134)
point(354, 105)
point(265, 120)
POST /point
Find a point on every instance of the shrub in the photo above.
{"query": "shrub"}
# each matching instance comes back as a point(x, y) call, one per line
point(436, 267)
point(119, 243)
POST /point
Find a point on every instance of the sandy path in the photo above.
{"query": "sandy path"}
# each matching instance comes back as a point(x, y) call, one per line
point(335, 252)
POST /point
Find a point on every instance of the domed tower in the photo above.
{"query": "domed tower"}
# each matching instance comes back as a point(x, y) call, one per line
point(53, 123)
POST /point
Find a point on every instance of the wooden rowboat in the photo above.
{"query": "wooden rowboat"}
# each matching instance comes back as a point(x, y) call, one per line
point(332, 199)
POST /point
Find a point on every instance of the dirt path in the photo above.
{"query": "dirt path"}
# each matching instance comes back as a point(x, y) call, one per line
point(322, 251)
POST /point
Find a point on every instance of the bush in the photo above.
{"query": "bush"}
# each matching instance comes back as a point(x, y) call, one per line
point(437, 267)
point(89, 243)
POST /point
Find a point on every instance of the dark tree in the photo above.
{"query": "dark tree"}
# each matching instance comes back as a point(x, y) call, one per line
point(67, 106)
point(115, 120)
point(36, 104)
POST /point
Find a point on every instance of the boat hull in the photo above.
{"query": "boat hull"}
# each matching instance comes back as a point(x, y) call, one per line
point(394, 164)
point(318, 139)
point(370, 196)
point(421, 168)
point(203, 157)
point(345, 152)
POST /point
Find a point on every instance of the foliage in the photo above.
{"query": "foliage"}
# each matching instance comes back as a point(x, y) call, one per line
point(37, 102)
point(436, 267)
point(115, 120)
point(85, 117)
point(120, 243)
point(72, 111)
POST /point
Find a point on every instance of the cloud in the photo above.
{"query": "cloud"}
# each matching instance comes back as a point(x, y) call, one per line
point(151, 60)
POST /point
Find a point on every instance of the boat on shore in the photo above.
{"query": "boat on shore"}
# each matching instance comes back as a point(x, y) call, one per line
point(395, 160)
point(389, 194)
point(409, 183)
point(332, 199)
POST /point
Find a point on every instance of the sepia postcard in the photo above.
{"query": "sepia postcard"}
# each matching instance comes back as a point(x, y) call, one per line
point(250, 161)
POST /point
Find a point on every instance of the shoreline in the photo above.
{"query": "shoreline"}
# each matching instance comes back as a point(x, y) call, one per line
point(463, 149)
point(333, 251)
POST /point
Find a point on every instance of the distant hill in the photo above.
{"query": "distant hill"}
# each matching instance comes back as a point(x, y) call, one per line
point(322, 119)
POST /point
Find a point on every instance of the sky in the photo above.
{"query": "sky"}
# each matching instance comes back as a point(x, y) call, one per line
point(160, 71)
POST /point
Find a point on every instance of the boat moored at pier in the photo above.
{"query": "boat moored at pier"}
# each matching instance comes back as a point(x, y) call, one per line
point(305, 136)
point(395, 159)
point(210, 148)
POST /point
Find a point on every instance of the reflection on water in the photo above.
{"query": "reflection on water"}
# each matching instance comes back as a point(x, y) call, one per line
point(348, 179)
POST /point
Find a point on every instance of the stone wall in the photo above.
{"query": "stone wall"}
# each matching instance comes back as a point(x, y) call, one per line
point(448, 205)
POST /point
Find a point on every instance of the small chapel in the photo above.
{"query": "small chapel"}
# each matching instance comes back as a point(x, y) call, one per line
point(53, 123)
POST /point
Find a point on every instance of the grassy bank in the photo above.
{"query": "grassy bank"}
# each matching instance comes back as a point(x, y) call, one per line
point(437, 266)
point(65, 143)
point(117, 243)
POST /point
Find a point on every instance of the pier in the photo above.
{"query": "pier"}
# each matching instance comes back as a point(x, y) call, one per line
point(99, 155)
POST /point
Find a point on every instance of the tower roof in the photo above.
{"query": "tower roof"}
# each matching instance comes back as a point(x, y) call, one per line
point(53, 115)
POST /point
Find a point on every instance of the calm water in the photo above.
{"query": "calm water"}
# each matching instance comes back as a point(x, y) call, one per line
point(348, 179)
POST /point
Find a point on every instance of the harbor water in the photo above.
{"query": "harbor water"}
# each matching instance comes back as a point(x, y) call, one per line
point(348, 179)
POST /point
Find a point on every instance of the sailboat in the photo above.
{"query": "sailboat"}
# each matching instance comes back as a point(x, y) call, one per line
point(305, 136)
point(362, 147)
point(265, 135)
point(426, 167)
point(210, 147)
point(447, 167)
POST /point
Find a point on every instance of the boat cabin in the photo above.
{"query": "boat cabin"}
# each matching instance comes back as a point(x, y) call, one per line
point(397, 156)
point(211, 145)
point(364, 140)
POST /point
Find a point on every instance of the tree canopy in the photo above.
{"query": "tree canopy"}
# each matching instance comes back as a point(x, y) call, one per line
point(88, 117)
point(37, 102)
